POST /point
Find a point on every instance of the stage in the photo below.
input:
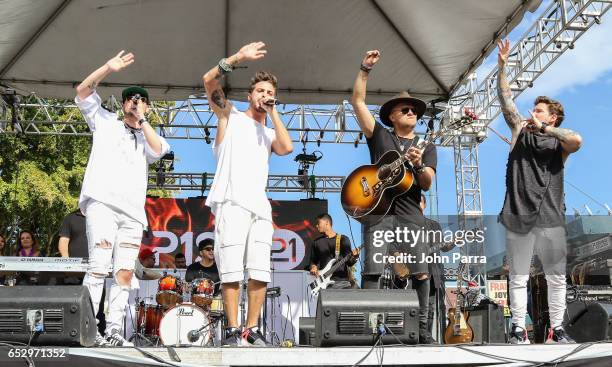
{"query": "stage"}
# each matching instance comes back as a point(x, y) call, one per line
point(592, 354)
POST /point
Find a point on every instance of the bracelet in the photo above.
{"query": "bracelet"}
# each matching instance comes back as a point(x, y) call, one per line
point(365, 68)
point(419, 169)
point(224, 67)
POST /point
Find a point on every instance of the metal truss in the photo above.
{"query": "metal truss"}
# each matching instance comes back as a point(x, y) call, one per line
point(276, 183)
point(190, 119)
point(555, 32)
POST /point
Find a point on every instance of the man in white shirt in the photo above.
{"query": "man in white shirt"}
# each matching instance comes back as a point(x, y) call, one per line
point(114, 191)
point(243, 216)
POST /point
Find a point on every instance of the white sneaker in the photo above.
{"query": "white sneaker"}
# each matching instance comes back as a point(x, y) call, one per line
point(116, 340)
point(100, 341)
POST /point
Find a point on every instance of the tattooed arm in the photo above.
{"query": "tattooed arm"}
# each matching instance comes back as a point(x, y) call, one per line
point(504, 93)
point(570, 140)
point(220, 105)
point(117, 63)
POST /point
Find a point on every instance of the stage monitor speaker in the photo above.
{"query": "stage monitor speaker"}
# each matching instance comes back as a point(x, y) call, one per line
point(47, 315)
point(588, 321)
point(351, 317)
point(488, 323)
point(307, 330)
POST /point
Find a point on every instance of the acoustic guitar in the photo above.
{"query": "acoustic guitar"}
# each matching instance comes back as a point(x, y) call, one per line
point(370, 189)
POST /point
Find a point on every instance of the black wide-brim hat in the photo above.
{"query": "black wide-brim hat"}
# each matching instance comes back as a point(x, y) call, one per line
point(403, 97)
point(132, 91)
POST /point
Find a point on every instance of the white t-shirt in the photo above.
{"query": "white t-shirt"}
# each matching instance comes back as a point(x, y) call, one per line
point(116, 173)
point(242, 165)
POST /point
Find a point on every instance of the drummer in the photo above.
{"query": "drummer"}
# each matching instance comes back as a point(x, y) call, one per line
point(206, 267)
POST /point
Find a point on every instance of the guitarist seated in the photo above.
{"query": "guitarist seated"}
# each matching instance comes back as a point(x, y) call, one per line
point(332, 245)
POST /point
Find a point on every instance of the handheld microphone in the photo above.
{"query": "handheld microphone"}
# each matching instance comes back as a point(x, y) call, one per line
point(271, 102)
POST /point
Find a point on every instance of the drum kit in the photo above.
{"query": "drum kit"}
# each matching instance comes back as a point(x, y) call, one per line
point(175, 322)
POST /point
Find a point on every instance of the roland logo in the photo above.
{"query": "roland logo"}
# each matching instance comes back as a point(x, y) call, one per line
point(185, 312)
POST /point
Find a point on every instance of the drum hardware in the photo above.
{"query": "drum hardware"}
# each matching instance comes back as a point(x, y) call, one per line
point(195, 334)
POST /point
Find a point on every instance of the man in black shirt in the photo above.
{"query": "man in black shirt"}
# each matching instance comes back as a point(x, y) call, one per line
point(73, 236)
point(73, 243)
point(534, 208)
point(332, 245)
point(400, 114)
point(206, 267)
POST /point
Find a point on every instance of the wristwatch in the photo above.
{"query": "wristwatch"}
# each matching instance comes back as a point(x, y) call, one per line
point(142, 121)
point(544, 126)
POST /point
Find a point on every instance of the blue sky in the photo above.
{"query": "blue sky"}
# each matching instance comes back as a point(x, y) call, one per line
point(581, 79)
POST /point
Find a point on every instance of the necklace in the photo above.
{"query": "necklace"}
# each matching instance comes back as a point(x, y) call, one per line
point(403, 146)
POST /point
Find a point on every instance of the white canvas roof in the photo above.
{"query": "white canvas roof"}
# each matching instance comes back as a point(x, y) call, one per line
point(314, 46)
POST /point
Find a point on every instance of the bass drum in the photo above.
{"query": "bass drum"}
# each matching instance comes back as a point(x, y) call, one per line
point(179, 320)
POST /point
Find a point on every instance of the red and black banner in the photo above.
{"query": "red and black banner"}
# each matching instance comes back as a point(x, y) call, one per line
point(179, 225)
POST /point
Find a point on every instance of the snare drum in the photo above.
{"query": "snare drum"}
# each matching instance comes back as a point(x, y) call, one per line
point(170, 291)
point(202, 290)
point(148, 318)
point(181, 319)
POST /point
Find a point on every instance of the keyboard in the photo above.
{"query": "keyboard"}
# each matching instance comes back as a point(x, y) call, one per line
point(43, 264)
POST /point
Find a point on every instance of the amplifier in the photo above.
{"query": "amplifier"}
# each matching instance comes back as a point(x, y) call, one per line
point(52, 316)
point(351, 317)
point(488, 323)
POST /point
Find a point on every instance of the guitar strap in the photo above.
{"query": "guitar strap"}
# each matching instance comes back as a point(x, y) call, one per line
point(338, 236)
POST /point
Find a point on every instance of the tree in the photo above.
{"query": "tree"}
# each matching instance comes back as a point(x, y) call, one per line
point(41, 175)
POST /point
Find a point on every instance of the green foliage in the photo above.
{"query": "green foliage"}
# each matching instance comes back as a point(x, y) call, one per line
point(41, 177)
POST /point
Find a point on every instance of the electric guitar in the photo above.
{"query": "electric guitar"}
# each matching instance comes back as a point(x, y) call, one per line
point(371, 189)
point(458, 329)
point(323, 280)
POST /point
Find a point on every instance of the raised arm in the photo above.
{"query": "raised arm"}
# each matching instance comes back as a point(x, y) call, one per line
point(212, 83)
point(504, 93)
point(115, 64)
point(364, 117)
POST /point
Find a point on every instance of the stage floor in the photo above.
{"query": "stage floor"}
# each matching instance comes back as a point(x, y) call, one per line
point(595, 354)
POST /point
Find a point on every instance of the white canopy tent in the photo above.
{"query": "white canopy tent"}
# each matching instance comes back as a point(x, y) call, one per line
point(314, 46)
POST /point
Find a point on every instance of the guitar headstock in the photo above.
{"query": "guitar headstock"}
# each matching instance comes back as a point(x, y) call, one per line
point(467, 118)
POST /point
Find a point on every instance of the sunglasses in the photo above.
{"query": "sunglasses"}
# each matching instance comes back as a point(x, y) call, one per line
point(136, 97)
point(405, 110)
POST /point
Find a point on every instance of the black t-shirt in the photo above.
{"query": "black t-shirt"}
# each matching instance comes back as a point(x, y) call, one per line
point(197, 270)
point(324, 249)
point(74, 228)
point(384, 140)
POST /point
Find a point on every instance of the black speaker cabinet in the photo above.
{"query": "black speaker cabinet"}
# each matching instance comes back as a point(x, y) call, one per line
point(588, 321)
point(50, 315)
point(307, 330)
point(487, 321)
point(350, 317)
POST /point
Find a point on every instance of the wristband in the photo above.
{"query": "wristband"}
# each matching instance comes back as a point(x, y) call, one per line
point(419, 169)
point(544, 126)
point(365, 68)
point(224, 67)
